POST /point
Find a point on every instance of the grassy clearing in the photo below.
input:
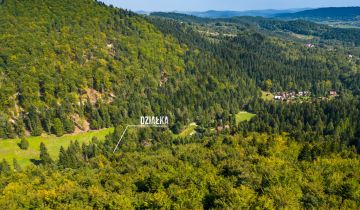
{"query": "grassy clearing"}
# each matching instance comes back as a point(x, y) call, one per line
point(9, 148)
point(244, 116)
point(188, 131)
point(267, 96)
point(301, 36)
point(342, 24)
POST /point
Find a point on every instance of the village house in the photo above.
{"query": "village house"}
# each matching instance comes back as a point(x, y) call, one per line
point(310, 45)
point(277, 97)
point(333, 93)
point(290, 95)
point(220, 128)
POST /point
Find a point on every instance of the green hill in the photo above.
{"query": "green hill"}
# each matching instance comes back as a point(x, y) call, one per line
point(82, 65)
point(73, 65)
point(338, 13)
point(66, 62)
point(66, 65)
point(340, 17)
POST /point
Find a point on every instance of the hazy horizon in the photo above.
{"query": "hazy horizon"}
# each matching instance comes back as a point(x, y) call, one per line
point(226, 5)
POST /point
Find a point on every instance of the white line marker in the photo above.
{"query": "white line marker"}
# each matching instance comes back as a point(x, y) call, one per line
point(139, 126)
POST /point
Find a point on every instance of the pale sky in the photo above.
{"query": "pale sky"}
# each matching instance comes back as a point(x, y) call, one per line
point(238, 5)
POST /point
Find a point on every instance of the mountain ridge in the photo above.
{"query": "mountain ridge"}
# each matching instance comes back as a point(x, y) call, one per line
point(233, 13)
point(345, 13)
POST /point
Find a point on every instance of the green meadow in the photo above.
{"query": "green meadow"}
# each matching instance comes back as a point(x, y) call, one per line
point(267, 96)
point(244, 116)
point(9, 148)
point(188, 130)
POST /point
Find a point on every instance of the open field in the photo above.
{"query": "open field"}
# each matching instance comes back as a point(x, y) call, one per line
point(188, 131)
point(301, 36)
point(244, 116)
point(9, 148)
point(342, 24)
point(267, 96)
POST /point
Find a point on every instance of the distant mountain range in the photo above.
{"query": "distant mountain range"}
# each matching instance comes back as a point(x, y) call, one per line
point(229, 14)
point(330, 13)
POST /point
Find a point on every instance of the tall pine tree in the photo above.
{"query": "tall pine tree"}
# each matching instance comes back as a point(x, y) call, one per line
point(44, 155)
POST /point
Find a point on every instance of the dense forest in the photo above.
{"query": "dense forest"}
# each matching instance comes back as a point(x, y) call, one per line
point(288, 65)
point(215, 172)
point(350, 36)
point(330, 122)
point(104, 66)
point(83, 62)
point(81, 65)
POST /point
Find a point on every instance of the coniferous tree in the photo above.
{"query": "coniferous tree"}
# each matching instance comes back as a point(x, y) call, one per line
point(330, 129)
point(94, 125)
point(34, 123)
point(24, 144)
point(106, 117)
point(62, 156)
point(85, 151)
point(5, 167)
point(72, 157)
point(10, 130)
point(16, 165)
point(69, 126)
point(58, 129)
point(99, 120)
point(20, 127)
point(44, 155)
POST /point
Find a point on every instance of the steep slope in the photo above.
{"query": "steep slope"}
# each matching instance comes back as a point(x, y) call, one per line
point(250, 45)
point(53, 51)
point(67, 60)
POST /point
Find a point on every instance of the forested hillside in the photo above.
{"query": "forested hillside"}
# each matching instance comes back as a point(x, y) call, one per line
point(303, 27)
point(73, 65)
point(275, 64)
point(64, 64)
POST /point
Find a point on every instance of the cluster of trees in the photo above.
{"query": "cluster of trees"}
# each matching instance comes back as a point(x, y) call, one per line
point(334, 121)
point(133, 67)
point(273, 63)
point(57, 56)
point(142, 65)
point(213, 171)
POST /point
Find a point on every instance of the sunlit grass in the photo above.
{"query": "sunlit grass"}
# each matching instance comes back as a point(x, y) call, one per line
point(188, 131)
point(267, 96)
point(9, 148)
point(244, 116)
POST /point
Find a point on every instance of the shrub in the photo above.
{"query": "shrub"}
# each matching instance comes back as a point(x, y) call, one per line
point(24, 144)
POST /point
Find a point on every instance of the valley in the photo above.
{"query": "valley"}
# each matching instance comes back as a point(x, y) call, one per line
point(236, 112)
